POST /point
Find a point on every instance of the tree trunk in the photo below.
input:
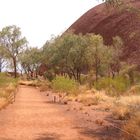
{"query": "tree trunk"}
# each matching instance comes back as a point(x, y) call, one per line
point(96, 67)
point(15, 67)
point(78, 76)
point(0, 67)
point(131, 76)
point(73, 74)
point(96, 64)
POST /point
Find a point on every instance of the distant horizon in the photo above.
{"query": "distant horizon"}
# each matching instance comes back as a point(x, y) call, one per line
point(37, 19)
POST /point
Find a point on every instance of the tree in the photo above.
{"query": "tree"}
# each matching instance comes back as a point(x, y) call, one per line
point(113, 2)
point(12, 44)
point(99, 55)
point(67, 55)
point(77, 58)
point(1, 59)
point(72, 55)
point(30, 61)
point(115, 63)
point(1, 63)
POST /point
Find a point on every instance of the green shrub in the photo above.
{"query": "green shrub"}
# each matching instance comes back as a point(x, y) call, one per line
point(136, 77)
point(132, 126)
point(83, 79)
point(6, 80)
point(49, 75)
point(7, 85)
point(115, 86)
point(63, 84)
point(135, 90)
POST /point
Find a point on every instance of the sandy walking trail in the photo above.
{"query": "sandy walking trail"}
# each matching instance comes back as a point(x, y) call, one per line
point(33, 117)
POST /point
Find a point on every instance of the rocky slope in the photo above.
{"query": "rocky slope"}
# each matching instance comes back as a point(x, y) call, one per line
point(110, 21)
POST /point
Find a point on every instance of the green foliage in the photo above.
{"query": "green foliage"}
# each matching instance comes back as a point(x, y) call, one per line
point(113, 87)
point(12, 44)
point(6, 80)
point(49, 74)
point(72, 54)
point(30, 60)
point(114, 3)
point(7, 85)
point(84, 79)
point(63, 84)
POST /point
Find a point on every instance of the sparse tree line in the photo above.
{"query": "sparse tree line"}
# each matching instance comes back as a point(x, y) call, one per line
point(12, 45)
point(74, 55)
point(69, 55)
point(16, 54)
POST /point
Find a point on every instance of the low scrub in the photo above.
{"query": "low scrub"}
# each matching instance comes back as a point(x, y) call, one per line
point(6, 80)
point(8, 85)
point(132, 126)
point(114, 87)
point(44, 85)
point(62, 84)
point(134, 90)
point(90, 98)
point(125, 107)
point(90, 101)
point(121, 112)
point(132, 101)
point(50, 75)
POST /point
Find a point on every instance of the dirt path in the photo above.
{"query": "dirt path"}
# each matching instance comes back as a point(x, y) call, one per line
point(32, 117)
point(35, 117)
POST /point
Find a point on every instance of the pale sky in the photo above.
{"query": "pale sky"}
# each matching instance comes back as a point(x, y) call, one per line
point(39, 19)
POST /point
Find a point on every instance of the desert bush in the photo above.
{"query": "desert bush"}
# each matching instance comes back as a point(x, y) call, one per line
point(132, 126)
point(62, 84)
point(49, 75)
point(83, 79)
point(113, 87)
point(8, 85)
point(91, 99)
point(136, 77)
point(134, 90)
point(126, 106)
point(3, 94)
point(6, 80)
point(44, 85)
point(132, 102)
point(121, 112)
point(11, 88)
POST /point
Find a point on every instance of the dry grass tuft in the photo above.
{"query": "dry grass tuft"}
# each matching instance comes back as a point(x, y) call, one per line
point(10, 89)
point(133, 100)
point(8, 86)
point(121, 112)
point(44, 86)
point(91, 99)
point(125, 107)
point(133, 127)
point(2, 102)
point(134, 90)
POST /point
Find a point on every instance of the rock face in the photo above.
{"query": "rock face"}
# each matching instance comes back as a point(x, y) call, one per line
point(110, 21)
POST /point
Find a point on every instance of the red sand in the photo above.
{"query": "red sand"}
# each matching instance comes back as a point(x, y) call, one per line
point(35, 117)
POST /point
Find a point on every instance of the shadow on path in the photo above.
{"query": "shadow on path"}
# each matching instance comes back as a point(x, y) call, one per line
point(48, 136)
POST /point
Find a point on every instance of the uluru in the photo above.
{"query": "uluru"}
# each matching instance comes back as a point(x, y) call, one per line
point(110, 21)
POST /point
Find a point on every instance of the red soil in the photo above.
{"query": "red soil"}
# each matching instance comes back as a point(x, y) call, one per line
point(34, 116)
